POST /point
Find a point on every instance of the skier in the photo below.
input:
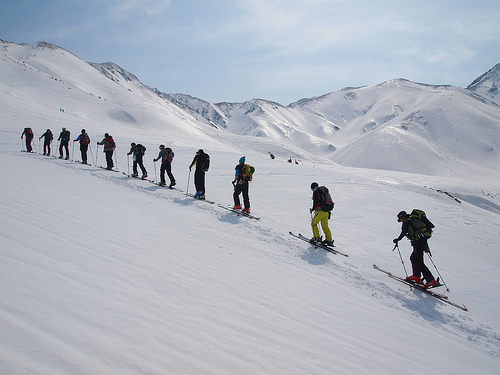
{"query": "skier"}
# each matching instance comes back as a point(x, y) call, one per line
point(166, 155)
point(84, 144)
point(240, 183)
point(28, 133)
point(109, 147)
point(137, 151)
point(419, 244)
point(64, 138)
point(48, 137)
point(322, 214)
point(202, 161)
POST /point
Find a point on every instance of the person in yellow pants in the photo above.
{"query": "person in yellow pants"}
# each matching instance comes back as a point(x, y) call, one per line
point(321, 209)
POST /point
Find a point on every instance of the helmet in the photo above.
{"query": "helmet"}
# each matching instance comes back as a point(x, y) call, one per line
point(314, 185)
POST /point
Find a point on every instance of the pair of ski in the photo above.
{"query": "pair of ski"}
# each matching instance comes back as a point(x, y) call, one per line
point(239, 212)
point(420, 287)
point(318, 244)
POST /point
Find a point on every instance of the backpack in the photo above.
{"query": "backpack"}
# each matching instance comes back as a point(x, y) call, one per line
point(325, 199)
point(421, 225)
point(205, 162)
point(111, 143)
point(168, 155)
point(85, 138)
point(247, 172)
point(28, 132)
point(140, 149)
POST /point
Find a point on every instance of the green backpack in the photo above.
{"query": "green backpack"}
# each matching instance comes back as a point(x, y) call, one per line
point(422, 227)
point(247, 172)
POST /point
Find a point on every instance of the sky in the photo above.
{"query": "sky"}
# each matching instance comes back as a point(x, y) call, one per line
point(278, 50)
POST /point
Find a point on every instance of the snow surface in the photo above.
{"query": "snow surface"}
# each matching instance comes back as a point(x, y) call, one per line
point(105, 274)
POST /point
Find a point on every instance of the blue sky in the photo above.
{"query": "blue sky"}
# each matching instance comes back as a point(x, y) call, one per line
point(279, 50)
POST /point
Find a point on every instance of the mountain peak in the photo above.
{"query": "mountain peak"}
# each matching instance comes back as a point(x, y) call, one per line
point(487, 84)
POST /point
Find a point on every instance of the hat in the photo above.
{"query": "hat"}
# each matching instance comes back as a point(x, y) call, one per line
point(162, 146)
point(314, 185)
point(132, 144)
point(200, 151)
point(63, 129)
point(106, 135)
point(242, 159)
point(83, 131)
point(401, 215)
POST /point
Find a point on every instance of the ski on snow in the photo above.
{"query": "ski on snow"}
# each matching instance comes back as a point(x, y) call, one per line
point(318, 245)
point(239, 212)
point(420, 287)
point(112, 170)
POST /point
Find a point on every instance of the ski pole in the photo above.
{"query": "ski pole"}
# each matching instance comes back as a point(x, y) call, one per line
point(97, 155)
point(73, 151)
point(156, 179)
point(402, 261)
point(116, 164)
point(91, 154)
point(128, 165)
point(440, 277)
point(189, 177)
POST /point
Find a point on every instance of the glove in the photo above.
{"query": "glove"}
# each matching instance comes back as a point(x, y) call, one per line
point(395, 240)
point(154, 160)
point(311, 210)
point(234, 183)
point(190, 169)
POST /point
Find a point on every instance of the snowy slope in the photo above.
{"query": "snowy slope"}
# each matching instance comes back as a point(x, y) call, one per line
point(101, 273)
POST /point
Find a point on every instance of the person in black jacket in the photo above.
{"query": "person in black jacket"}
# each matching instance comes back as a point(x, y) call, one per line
point(137, 151)
point(28, 134)
point(320, 216)
point(420, 246)
point(202, 161)
point(64, 138)
point(48, 137)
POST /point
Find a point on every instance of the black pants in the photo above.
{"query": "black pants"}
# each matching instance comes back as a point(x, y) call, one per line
point(46, 148)
point(199, 180)
point(28, 144)
point(83, 149)
point(65, 145)
point(109, 159)
point(417, 260)
point(138, 161)
point(166, 167)
point(239, 189)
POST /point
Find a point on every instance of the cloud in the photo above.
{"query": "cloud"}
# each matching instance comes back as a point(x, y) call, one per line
point(123, 9)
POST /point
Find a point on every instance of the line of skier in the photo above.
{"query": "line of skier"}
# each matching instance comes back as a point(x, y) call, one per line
point(416, 229)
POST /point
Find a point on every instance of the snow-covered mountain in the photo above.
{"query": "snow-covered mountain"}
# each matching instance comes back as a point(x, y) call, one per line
point(487, 85)
point(444, 128)
point(105, 274)
point(396, 125)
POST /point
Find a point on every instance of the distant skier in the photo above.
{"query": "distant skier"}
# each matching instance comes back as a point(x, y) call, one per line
point(322, 206)
point(64, 138)
point(84, 140)
point(109, 147)
point(166, 155)
point(202, 161)
point(137, 151)
point(48, 137)
point(28, 137)
point(242, 177)
point(420, 245)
